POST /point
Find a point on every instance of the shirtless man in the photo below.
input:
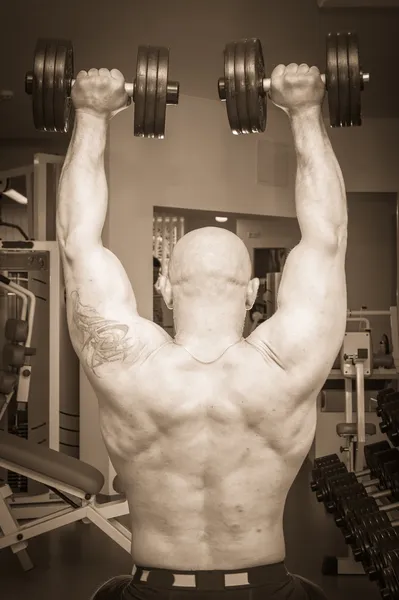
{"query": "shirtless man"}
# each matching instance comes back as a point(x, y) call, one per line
point(206, 431)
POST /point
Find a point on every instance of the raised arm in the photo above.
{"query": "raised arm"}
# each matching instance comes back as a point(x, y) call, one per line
point(105, 329)
point(306, 332)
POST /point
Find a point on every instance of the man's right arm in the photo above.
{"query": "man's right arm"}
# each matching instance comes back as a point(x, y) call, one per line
point(305, 334)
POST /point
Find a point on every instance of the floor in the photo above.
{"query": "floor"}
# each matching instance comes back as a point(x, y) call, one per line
point(71, 562)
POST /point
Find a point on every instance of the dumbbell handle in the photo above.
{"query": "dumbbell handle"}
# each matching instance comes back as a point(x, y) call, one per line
point(172, 90)
point(267, 84)
point(129, 87)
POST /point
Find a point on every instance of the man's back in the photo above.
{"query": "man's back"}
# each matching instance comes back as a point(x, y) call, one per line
point(207, 454)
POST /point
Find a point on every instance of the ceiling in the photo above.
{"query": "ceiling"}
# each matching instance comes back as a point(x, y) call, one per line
point(290, 31)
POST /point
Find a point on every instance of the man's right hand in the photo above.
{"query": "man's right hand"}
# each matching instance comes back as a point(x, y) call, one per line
point(100, 93)
point(297, 88)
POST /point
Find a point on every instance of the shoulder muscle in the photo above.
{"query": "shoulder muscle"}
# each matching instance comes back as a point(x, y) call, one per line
point(304, 336)
point(105, 328)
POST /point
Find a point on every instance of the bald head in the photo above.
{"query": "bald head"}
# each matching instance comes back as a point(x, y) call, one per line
point(209, 260)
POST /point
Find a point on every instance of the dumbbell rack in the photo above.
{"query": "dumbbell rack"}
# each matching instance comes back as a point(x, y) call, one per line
point(363, 517)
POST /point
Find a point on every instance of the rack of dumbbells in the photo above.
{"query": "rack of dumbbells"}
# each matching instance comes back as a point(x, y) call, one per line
point(365, 504)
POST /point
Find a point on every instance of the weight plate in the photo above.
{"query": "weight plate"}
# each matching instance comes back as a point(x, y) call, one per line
point(151, 92)
point(343, 80)
point(37, 84)
point(140, 87)
point(332, 80)
point(241, 82)
point(231, 93)
point(48, 85)
point(355, 80)
point(63, 75)
point(161, 93)
point(255, 74)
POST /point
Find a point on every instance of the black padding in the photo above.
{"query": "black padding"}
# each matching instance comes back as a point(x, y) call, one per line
point(117, 485)
point(351, 429)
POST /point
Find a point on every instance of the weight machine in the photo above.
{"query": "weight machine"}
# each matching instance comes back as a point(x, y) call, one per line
point(44, 406)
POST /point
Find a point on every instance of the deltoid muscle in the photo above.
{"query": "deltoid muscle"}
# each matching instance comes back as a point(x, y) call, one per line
point(101, 340)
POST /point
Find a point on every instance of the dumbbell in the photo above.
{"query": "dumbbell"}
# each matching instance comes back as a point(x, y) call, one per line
point(390, 588)
point(353, 504)
point(51, 80)
point(373, 542)
point(335, 492)
point(332, 489)
point(385, 396)
point(357, 502)
point(16, 330)
point(384, 546)
point(389, 415)
point(14, 355)
point(323, 461)
point(8, 381)
point(244, 86)
point(366, 524)
point(374, 547)
point(371, 454)
point(365, 507)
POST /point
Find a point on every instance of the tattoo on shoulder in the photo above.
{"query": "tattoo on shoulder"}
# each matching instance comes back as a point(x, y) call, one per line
point(102, 341)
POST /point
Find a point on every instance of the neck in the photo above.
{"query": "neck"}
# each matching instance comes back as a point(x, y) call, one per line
point(208, 332)
point(207, 338)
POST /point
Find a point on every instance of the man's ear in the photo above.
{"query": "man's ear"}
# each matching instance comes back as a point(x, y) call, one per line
point(165, 288)
point(252, 293)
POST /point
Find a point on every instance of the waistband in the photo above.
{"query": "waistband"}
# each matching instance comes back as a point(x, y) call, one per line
point(212, 580)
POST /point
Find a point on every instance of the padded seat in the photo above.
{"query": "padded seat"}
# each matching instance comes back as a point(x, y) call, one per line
point(50, 463)
point(344, 429)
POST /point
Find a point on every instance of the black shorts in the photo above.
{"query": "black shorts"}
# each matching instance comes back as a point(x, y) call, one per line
point(269, 582)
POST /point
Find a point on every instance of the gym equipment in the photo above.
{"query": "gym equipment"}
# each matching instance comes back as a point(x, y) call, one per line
point(17, 330)
point(329, 459)
point(372, 544)
point(390, 422)
point(8, 381)
point(388, 411)
point(357, 507)
point(75, 482)
point(334, 492)
point(384, 396)
point(364, 522)
point(51, 80)
point(338, 490)
point(14, 355)
point(375, 456)
point(244, 87)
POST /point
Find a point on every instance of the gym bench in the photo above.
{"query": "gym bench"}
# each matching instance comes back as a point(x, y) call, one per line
point(75, 482)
